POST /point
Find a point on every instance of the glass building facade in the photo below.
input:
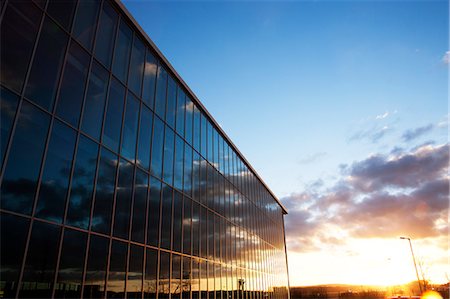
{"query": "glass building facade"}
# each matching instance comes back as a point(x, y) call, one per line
point(115, 180)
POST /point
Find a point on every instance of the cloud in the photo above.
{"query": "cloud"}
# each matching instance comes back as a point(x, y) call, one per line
point(417, 132)
point(446, 57)
point(382, 116)
point(373, 134)
point(382, 196)
point(312, 158)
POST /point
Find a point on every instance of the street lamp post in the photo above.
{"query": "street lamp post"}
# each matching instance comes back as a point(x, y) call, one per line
point(414, 260)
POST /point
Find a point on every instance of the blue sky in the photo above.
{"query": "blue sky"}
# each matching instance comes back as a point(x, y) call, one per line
point(308, 90)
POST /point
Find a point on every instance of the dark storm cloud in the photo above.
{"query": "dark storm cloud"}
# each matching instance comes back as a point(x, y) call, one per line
point(405, 193)
point(417, 132)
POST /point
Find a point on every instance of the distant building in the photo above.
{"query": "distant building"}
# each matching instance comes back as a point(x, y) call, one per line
point(115, 180)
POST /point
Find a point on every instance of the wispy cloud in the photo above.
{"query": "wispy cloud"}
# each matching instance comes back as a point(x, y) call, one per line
point(382, 116)
point(417, 132)
point(373, 134)
point(446, 57)
point(405, 192)
point(312, 158)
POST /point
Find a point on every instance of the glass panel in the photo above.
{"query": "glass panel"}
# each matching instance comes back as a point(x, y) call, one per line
point(187, 178)
point(187, 214)
point(136, 66)
point(130, 128)
point(181, 111)
point(186, 278)
point(15, 230)
point(106, 34)
point(139, 206)
point(203, 135)
point(55, 180)
point(62, 11)
point(153, 212)
point(123, 200)
point(150, 273)
point(8, 104)
point(47, 63)
point(197, 130)
point(195, 279)
point(114, 110)
point(177, 221)
point(179, 163)
point(18, 31)
point(94, 284)
point(166, 216)
point(171, 102)
point(134, 283)
point(82, 184)
point(70, 274)
point(189, 118)
point(175, 280)
point(203, 232)
point(161, 89)
point(157, 147)
point(95, 101)
point(195, 228)
point(164, 275)
point(210, 147)
point(122, 52)
point(39, 271)
point(151, 66)
point(117, 270)
point(104, 193)
point(72, 87)
point(22, 168)
point(145, 134)
point(168, 155)
point(85, 22)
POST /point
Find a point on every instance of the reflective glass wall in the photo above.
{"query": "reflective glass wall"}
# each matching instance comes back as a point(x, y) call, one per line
point(114, 181)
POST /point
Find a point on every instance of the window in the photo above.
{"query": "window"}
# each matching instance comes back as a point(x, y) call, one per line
point(94, 284)
point(188, 167)
point(139, 206)
point(123, 199)
point(189, 117)
point(106, 34)
point(115, 287)
point(122, 52)
point(179, 163)
point(150, 273)
point(175, 280)
point(39, 271)
point(55, 179)
point(62, 11)
point(73, 83)
point(153, 212)
point(113, 120)
point(151, 66)
point(157, 147)
point(70, 274)
point(82, 184)
point(197, 131)
point(203, 137)
point(135, 268)
point(15, 230)
point(47, 63)
point(18, 32)
point(8, 104)
point(19, 182)
point(136, 66)
point(164, 275)
point(168, 155)
point(130, 128)
point(85, 22)
point(177, 226)
point(171, 102)
point(95, 101)
point(145, 134)
point(187, 214)
point(181, 109)
point(166, 216)
point(104, 193)
point(161, 90)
